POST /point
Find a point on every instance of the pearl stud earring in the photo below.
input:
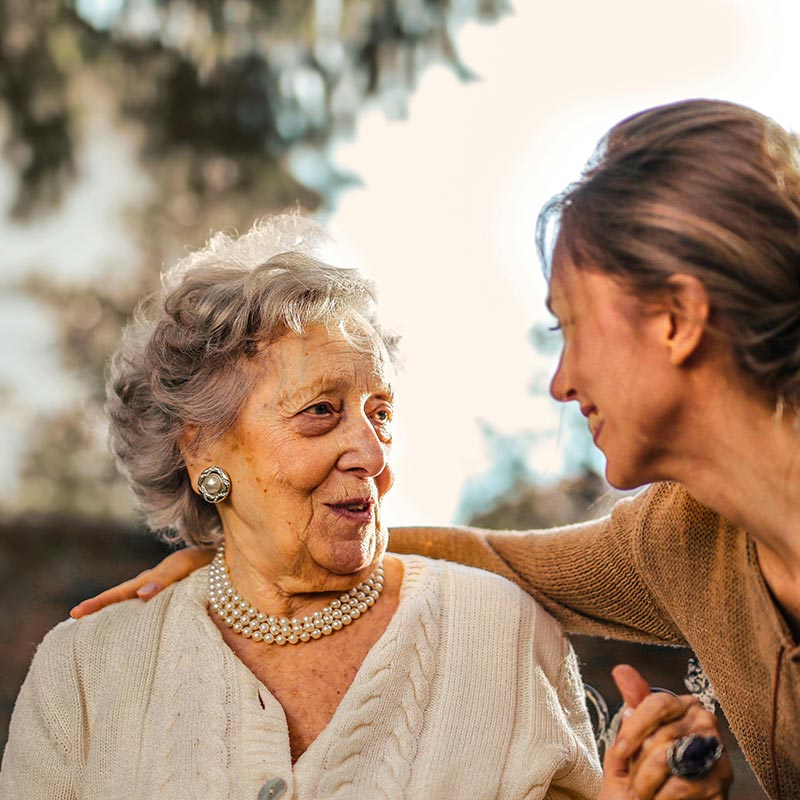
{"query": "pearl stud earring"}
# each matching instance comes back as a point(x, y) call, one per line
point(214, 484)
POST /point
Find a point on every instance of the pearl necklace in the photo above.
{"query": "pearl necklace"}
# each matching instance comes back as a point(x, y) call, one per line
point(253, 624)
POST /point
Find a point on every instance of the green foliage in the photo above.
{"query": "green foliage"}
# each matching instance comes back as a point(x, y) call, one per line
point(237, 80)
point(220, 98)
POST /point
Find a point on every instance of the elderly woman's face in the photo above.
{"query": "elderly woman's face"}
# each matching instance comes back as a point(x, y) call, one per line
point(309, 457)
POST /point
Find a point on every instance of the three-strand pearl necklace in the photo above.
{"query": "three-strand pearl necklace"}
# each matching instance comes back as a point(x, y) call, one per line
point(253, 624)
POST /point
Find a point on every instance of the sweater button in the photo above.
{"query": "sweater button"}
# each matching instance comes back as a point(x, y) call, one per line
point(273, 789)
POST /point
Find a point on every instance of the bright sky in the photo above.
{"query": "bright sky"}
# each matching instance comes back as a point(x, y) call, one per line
point(444, 220)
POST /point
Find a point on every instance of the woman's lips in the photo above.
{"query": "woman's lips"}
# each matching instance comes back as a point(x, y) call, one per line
point(595, 426)
point(360, 509)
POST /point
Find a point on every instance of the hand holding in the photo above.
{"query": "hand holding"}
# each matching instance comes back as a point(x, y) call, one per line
point(637, 764)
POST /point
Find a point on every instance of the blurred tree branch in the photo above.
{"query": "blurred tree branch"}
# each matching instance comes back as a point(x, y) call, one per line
point(233, 80)
point(221, 99)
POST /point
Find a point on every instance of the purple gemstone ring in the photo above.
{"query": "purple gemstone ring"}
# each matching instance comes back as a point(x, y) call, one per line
point(691, 757)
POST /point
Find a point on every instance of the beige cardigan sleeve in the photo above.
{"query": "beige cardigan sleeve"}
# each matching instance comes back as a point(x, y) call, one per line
point(39, 760)
point(592, 577)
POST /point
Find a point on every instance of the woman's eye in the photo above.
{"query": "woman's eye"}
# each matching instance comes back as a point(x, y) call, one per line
point(383, 415)
point(556, 326)
point(319, 409)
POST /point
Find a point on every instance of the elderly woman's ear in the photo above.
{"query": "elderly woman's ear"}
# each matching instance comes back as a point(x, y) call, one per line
point(194, 457)
point(207, 476)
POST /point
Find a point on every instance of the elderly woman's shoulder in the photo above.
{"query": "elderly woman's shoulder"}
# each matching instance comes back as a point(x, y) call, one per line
point(478, 592)
point(468, 578)
point(124, 627)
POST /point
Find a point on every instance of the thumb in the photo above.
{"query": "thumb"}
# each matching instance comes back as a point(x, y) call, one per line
point(632, 686)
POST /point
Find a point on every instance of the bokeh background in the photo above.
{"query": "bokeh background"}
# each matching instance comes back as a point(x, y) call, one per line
point(425, 133)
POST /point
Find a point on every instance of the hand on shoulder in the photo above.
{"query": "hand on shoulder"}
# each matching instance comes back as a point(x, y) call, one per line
point(149, 583)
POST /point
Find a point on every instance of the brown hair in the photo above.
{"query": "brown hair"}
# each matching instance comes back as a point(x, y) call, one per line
point(703, 187)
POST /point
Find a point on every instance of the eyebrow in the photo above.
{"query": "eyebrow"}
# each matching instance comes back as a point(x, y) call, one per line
point(301, 393)
point(548, 301)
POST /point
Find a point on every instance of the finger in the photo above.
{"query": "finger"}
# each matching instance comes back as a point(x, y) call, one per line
point(124, 591)
point(695, 720)
point(632, 686)
point(149, 583)
point(616, 765)
point(178, 565)
point(713, 785)
point(654, 711)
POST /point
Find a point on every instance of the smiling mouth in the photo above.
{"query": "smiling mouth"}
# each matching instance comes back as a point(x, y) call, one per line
point(360, 506)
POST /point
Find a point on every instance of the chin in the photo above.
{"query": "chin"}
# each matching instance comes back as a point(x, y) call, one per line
point(352, 556)
point(623, 480)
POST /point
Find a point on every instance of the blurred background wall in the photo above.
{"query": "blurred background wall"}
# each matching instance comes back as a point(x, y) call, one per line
point(426, 133)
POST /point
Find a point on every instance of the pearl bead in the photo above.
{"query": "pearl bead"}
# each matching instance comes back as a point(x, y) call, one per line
point(212, 483)
point(244, 618)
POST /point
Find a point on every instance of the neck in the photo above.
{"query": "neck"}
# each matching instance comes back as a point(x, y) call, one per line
point(295, 590)
point(743, 460)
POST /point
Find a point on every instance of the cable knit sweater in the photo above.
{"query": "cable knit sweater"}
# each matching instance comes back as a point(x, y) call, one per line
point(472, 691)
point(662, 568)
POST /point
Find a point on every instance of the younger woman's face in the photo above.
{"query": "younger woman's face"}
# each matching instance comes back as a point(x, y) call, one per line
point(614, 365)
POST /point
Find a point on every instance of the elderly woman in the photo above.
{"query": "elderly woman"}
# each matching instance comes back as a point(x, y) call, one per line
point(675, 277)
point(251, 408)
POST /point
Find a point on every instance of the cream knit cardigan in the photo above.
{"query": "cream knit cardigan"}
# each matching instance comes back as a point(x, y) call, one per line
point(471, 692)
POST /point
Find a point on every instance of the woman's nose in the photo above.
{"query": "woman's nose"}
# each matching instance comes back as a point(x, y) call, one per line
point(560, 387)
point(362, 448)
